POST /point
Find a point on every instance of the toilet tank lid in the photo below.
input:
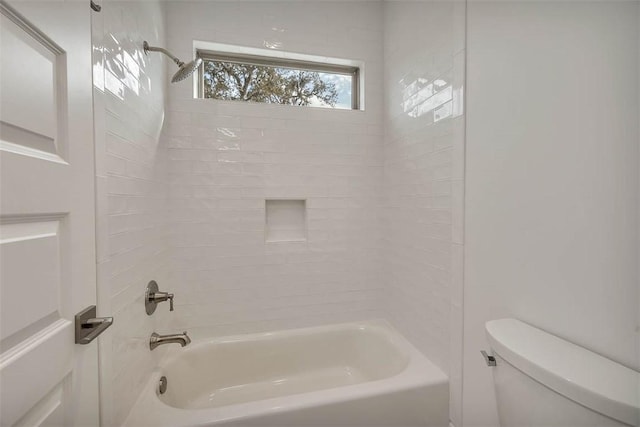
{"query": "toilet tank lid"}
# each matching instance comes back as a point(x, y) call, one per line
point(581, 375)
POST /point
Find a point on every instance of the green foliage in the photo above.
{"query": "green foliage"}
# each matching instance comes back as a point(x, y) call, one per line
point(246, 82)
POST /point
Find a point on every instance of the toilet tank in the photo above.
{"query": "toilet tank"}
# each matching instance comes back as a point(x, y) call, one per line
point(544, 381)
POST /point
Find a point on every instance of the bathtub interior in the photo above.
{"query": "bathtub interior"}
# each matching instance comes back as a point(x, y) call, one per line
point(230, 371)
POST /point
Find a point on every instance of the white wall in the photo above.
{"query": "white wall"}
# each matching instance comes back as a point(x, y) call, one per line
point(423, 179)
point(131, 191)
point(551, 234)
point(226, 158)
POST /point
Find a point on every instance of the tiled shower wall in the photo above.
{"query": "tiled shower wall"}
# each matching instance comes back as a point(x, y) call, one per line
point(227, 158)
point(423, 178)
point(131, 190)
point(382, 186)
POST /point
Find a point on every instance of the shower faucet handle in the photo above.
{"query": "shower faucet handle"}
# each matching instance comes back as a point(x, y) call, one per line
point(153, 296)
point(161, 297)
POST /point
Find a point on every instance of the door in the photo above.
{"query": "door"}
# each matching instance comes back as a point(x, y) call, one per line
point(47, 235)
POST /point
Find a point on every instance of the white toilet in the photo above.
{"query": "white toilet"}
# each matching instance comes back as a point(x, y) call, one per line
point(544, 381)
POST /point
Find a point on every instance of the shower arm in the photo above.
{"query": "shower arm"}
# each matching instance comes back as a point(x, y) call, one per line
point(148, 48)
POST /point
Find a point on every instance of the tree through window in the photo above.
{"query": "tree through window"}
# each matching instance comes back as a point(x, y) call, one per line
point(272, 81)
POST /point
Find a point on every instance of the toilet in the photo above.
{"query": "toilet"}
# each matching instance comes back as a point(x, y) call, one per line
point(544, 381)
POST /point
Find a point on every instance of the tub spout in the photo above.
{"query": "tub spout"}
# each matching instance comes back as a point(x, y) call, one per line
point(155, 340)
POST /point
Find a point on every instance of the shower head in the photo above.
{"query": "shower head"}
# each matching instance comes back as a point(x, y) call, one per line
point(184, 71)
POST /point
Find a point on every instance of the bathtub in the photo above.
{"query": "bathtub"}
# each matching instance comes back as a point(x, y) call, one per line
point(356, 374)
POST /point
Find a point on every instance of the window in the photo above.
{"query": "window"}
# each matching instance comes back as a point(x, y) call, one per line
point(252, 78)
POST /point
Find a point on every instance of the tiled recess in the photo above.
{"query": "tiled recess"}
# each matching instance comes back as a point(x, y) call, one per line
point(191, 192)
point(285, 221)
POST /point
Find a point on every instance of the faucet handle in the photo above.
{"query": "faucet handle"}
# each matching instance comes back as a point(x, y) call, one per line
point(153, 296)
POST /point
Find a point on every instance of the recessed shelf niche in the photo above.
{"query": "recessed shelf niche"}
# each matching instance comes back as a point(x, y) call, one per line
point(286, 220)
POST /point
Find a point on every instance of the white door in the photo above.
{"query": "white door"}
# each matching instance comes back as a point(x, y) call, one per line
point(47, 235)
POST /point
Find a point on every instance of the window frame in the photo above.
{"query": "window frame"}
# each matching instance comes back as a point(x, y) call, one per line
point(269, 61)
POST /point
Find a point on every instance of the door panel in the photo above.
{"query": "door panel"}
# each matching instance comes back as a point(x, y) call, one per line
point(29, 72)
point(36, 367)
point(47, 234)
point(48, 411)
point(25, 244)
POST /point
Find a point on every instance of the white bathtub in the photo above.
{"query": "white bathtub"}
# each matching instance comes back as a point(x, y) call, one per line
point(356, 374)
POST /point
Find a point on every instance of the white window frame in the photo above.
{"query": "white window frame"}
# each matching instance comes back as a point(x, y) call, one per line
point(280, 59)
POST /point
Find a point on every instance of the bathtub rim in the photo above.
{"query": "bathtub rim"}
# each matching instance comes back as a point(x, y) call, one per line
point(418, 373)
point(375, 330)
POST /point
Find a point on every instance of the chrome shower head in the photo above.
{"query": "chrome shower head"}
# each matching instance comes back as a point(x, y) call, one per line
point(184, 71)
